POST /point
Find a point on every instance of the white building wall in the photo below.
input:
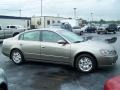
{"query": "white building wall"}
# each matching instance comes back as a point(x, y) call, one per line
point(42, 22)
point(22, 22)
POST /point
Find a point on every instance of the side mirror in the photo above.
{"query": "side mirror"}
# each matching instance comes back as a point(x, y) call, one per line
point(61, 42)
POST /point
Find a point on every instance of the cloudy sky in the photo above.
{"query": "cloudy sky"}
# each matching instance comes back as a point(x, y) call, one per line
point(101, 9)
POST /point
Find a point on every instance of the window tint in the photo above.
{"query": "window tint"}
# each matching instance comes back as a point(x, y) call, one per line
point(58, 21)
point(53, 22)
point(21, 37)
point(30, 36)
point(48, 36)
point(28, 23)
point(48, 22)
point(12, 27)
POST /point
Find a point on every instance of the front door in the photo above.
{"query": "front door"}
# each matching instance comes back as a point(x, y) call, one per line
point(51, 50)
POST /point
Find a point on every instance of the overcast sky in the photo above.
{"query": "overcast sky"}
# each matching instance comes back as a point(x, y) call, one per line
point(101, 9)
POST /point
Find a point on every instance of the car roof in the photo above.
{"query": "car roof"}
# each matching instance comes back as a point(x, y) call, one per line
point(48, 29)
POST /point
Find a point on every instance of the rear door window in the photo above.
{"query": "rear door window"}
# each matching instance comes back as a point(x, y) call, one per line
point(30, 36)
point(12, 26)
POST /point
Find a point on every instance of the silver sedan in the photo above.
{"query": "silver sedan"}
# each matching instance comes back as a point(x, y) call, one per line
point(61, 47)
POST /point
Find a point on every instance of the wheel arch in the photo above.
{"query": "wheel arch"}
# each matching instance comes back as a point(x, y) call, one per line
point(15, 33)
point(75, 58)
point(14, 49)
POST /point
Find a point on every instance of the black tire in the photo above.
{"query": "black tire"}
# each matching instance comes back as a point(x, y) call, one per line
point(81, 33)
point(15, 34)
point(92, 62)
point(105, 32)
point(17, 57)
point(98, 32)
point(114, 32)
point(3, 87)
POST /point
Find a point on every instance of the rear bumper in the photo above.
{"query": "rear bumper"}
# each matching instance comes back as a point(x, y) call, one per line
point(111, 30)
point(5, 51)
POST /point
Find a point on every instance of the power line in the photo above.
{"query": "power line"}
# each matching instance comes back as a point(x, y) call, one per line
point(19, 10)
point(10, 9)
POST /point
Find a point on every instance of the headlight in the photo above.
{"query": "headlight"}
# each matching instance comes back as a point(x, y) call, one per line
point(108, 52)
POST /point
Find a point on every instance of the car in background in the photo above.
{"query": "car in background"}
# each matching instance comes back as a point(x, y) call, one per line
point(78, 30)
point(15, 27)
point(118, 27)
point(102, 29)
point(59, 46)
point(65, 26)
point(11, 31)
point(91, 29)
point(112, 83)
point(3, 80)
point(111, 28)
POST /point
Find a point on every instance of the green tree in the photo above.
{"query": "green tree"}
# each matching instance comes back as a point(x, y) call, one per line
point(102, 21)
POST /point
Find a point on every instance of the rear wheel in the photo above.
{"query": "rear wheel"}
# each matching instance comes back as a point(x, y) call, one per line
point(81, 33)
point(114, 32)
point(85, 63)
point(17, 57)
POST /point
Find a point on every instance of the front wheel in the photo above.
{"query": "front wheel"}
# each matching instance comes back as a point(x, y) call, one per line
point(85, 63)
point(98, 32)
point(17, 57)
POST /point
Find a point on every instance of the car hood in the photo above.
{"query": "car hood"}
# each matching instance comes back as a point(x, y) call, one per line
point(93, 45)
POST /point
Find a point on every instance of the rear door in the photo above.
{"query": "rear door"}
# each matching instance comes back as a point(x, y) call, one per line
point(2, 34)
point(30, 44)
point(8, 32)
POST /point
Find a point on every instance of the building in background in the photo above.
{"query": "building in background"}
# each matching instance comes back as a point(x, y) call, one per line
point(44, 21)
point(13, 20)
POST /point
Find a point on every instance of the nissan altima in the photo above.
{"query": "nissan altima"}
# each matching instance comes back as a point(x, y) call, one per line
point(61, 47)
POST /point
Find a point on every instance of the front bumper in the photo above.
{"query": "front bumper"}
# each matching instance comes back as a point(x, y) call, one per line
point(107, 61)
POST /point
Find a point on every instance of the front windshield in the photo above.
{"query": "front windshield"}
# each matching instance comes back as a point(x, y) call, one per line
point(72, 37)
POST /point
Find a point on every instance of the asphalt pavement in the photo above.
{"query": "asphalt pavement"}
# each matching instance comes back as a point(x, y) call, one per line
point(46, 76)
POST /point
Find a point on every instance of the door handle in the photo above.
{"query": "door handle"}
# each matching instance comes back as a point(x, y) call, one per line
point(21, 44)
point(42, 46)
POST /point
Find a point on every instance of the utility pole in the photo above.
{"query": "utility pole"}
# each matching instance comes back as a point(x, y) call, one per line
point(41, 7)
point(58, 15)
point(20, 12)
point(91, 17)
point(74, 12)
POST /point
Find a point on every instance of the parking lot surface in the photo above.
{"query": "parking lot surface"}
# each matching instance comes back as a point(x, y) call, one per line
point(46, 76)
